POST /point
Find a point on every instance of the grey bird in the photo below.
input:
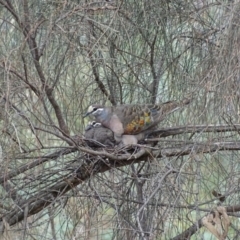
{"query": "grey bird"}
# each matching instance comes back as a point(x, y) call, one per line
point(130, 123)
point(98, 135)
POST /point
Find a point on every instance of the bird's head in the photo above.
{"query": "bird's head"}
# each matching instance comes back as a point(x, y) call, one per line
point(92, 124)
point(95, 110)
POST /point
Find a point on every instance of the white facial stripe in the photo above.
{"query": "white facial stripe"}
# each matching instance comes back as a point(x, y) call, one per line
point(97, 111)
point(90, 109)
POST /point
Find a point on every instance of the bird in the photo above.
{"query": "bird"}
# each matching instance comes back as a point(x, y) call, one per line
point(104, 136)
point(133, 120)
point(99, 135)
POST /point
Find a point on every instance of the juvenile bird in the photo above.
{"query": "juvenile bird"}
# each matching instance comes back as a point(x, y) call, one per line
point(98, 135)
point(130, 123)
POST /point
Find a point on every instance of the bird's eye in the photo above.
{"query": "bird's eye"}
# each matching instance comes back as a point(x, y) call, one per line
point(94, 109)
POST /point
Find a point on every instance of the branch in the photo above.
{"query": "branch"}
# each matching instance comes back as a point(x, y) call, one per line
point(156, 75)
point(144, 152)
point(99, 82)
point(30, 34)
point(183, 150)
point(11, 9)
point(4, 64)
point(195, 227)
point(195, 129)
point(35, 163)
point(44, 198)
point(104, 162)
point(90, 168)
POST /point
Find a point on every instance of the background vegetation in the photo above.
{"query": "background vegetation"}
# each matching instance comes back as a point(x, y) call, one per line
point(58, 57)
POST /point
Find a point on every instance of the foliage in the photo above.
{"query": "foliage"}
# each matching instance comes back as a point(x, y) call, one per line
point(57, 57)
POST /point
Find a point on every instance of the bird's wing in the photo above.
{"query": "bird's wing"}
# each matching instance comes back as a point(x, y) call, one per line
point(138, 118)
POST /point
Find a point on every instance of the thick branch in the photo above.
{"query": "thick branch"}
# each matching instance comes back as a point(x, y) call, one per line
point(196, 129)
point(41, 200)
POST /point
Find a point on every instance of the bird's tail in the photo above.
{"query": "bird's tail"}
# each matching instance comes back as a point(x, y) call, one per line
point(172, 106)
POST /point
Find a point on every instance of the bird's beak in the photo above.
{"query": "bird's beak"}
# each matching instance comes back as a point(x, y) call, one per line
point(86, 114)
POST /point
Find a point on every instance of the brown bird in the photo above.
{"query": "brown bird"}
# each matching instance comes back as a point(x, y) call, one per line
point(131, 122)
